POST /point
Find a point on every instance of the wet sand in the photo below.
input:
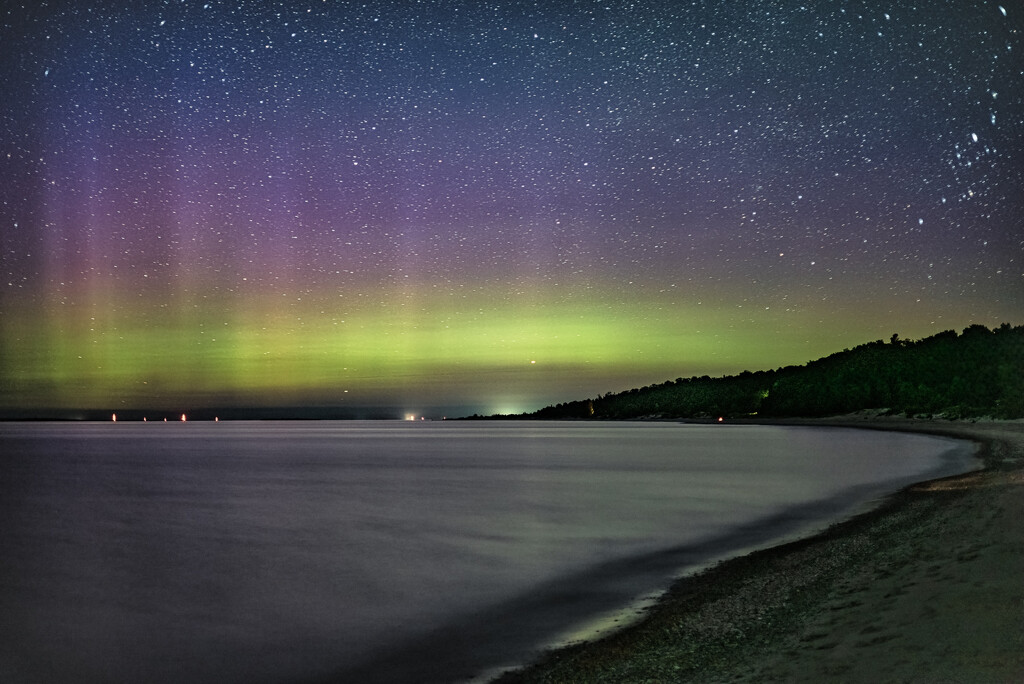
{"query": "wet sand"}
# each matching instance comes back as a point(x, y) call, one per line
point(929, 587)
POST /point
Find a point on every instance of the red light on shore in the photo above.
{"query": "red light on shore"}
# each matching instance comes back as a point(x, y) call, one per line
point(721, 419)
point(182, 417)
point(113, 417)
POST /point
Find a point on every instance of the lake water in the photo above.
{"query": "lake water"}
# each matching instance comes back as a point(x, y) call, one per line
point(362, 551)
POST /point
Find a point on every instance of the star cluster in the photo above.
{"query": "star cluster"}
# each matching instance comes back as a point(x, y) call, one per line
point(467, 204)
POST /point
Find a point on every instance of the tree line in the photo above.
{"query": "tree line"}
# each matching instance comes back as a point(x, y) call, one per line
point(979, 372)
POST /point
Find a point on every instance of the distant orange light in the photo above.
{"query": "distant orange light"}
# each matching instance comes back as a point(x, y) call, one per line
point(113, 417)
point(182, 417)
point(721, 419)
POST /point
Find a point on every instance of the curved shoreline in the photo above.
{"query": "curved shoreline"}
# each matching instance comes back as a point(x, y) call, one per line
point(925, 587)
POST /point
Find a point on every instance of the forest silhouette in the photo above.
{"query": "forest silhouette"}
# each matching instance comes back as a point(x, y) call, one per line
point(979, 372)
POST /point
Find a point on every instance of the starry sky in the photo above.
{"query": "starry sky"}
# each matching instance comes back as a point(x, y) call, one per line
point(446, 206)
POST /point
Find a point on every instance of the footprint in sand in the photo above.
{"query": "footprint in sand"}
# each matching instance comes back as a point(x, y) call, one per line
point(880, 639)
point(846, 604)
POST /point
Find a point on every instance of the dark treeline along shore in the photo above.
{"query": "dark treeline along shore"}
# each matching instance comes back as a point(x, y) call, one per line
point(976, 373)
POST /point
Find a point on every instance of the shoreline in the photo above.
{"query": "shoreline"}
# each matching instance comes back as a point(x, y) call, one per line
point(924, 587)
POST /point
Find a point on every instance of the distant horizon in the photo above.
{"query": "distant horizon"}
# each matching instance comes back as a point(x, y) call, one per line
point(194, 411)
point(227, 414)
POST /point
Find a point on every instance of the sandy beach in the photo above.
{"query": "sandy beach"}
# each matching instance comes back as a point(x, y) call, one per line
point(929, 587)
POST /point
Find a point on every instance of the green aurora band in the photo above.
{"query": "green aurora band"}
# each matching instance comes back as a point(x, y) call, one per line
point(413, 352)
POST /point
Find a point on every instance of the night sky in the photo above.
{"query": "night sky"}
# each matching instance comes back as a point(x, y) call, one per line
point(491, 206)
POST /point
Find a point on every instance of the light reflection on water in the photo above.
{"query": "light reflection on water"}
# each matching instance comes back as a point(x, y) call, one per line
point(284, 551)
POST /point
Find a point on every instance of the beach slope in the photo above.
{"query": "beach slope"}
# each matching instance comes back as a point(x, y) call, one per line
point(928, 587)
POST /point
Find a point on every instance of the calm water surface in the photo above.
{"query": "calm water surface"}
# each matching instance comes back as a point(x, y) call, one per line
point(348, 551)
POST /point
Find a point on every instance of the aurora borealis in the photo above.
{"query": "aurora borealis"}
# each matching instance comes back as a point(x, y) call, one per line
point(491, 206)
